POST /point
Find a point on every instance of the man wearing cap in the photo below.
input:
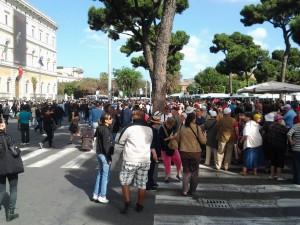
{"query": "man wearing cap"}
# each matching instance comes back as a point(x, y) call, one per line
point(289, 116)
point(225, 138)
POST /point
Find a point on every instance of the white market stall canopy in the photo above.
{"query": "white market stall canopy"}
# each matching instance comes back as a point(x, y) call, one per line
point(271, 87)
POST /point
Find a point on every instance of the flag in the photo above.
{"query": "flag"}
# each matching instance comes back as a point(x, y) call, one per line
point(41, 61)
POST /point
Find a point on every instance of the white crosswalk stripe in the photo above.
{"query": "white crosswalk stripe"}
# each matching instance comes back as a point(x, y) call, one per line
point(34, 154)
point(232, 195)
point(50, 159)
point(78, 161)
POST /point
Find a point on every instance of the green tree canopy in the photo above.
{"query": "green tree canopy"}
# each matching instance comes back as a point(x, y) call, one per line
point(142, 20)
point(280, 13)
point(295, 26)
point(242, 55)
point(128, 80)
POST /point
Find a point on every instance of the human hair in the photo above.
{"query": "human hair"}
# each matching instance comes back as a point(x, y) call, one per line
point(138, 115)
point(104, 117)
point(189, 119)
point(170, 122)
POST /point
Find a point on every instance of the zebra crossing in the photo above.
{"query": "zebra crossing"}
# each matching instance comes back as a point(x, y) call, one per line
point(227, 198)
point(39, 158)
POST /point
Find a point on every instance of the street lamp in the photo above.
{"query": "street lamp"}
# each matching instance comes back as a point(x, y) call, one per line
point(109, 68)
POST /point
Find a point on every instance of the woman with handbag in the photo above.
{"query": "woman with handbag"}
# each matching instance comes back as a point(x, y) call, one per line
point(169, 147)
point(104, 150)
point(190, 138)
point(10, 166)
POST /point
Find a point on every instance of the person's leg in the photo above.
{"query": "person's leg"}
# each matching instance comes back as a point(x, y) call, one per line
point(220, 155)
point(140, 181)
point(105, 175)
point(23, 138)
point(2, 188)
point(207, 155)
point(50, 135)
point(13, 184)
point(167, 165)
point(228, 154)
point(185, 182)
point(296, 162)
point(151, 182)
point(96, 192)
point(177, 161)
point(27, 133)
point(194, 181)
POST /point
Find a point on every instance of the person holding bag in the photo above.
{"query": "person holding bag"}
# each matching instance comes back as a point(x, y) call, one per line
point(10, 166)
point(190, 138)
point(169, 148)
point(104, 150)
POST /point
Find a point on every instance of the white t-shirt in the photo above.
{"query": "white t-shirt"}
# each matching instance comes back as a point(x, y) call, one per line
point(251, 130)
point(137, 140)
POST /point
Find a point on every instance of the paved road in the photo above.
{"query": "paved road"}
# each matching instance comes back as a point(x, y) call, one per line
point(57, 184)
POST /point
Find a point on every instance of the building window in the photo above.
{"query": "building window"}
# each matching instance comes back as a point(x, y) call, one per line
point(53, 41)
point(42, 84)
point(8, 86)
point(54, 89)
point(48, 88)
point(47, 38)
point(26, 87)
point(6, 19)
point(41, 34)
point(32, 31)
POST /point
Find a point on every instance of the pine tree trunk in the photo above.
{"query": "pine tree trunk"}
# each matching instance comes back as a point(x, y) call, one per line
point(284, 66)
point(286, 54)
point(161, 54)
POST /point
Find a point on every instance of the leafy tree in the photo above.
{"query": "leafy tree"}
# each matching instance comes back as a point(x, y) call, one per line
point(242, 55)
point(293, 65)
point(210, 80)
point(70, 88)
point(267, 69)
point(173, 81)
point(295, 26)
point(139, 19)
point(103, 82)
point(127, 80)
point(193, 88)
point(280, 13)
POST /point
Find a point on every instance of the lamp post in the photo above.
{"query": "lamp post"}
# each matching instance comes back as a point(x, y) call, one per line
point(109, 69)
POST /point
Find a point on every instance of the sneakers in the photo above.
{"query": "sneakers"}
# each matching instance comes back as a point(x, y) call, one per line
point(95, 198)
point(103, 200)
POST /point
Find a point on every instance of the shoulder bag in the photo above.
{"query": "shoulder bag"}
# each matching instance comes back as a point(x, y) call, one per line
point(172, 144)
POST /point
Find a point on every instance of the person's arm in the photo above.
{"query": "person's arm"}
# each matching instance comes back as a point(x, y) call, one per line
point(123, 137)
point(290, 136)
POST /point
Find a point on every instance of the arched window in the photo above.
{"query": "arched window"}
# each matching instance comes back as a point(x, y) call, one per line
point(48, 88)
point(54, 88)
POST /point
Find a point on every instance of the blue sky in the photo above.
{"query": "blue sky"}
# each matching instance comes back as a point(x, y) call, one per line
point(80, 47)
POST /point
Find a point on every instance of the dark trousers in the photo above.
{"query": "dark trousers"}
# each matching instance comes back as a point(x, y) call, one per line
point(49, 138)
point(296, 162)
point(13, 184)
point(151, 182)
point(25, 133)
point(39, 124)
point(6, 118)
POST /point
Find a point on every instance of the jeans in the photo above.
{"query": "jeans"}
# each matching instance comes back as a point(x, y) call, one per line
point(102, 176)
point(296, 163)
point(13, 184)
point(25, 133)
point(49, 138)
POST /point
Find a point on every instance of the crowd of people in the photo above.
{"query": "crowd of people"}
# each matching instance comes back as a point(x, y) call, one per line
point(255, 134)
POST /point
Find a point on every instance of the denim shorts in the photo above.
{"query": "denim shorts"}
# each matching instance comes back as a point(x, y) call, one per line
point(138, 172)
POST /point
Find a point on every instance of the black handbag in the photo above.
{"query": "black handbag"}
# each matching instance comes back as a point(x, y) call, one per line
point(14, 150)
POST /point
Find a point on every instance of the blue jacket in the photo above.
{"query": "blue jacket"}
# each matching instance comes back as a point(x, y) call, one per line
point(95, 114)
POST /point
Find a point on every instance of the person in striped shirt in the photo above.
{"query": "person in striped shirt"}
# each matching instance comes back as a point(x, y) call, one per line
point(294, 139)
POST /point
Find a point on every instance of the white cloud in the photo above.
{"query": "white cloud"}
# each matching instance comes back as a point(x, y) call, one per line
point(94, 39)
point(197, 55)
point(259, 36)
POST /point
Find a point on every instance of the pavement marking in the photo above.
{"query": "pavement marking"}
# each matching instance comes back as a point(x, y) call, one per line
point(34, 154)
point(164, 219)
point(236, 188)
point(232, 203)
point(52, 158)
point(78, 161)
point(29, 148)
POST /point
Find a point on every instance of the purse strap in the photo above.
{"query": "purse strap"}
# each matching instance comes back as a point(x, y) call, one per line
point(196, 135)
point(166, 132)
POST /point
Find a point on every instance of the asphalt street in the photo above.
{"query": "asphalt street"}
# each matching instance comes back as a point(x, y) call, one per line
point(57, 184)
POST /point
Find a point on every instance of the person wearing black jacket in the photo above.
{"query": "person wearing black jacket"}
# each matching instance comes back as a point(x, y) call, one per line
point(104, 150)
point(10, 166)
